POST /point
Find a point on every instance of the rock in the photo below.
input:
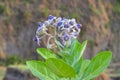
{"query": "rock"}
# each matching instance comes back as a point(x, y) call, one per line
point(17, 74)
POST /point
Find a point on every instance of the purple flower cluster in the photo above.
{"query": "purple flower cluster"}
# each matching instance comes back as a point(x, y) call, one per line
point(65, 30)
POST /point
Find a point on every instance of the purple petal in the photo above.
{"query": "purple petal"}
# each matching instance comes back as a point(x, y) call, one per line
point(79, 26)
point(59, 24)
point(66, 38)
point(40, 24)
point(66, 26)
point(63, 18)
point(71, 23)
point(50, 17)
point(35, 39)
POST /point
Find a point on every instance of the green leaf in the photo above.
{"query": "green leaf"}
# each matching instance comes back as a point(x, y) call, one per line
point(74, 47)
point(40, 70)
point(82, 49)
point(60, 68)
point(66, 57)
point(77, 50)
point(45, 53)
point(73, 53)
point(84, 65)
point(77, 66)
point(97, 65)
point(81, 66)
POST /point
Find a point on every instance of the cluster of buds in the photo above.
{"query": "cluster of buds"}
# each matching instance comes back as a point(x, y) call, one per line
point(64, 31)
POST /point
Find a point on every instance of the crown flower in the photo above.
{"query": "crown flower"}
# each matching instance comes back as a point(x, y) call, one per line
point(62, 54)
point(65, 30)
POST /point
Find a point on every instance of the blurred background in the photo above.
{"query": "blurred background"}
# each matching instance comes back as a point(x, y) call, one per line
point(18, 23)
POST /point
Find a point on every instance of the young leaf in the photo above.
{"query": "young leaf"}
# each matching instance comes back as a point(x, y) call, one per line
point(73, 53)
point(78, 50)
point(66, 57)
point(60, 68)
point(40, 70)
point(82, 49)
point(45, 53)
point(77, 66)
point(81, 65)
point(97, 65)
point(84, 65)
